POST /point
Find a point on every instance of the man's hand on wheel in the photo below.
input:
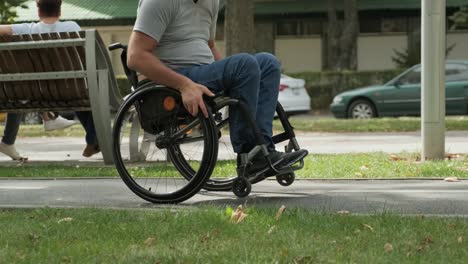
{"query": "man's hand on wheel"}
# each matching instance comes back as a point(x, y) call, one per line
point(192, 96)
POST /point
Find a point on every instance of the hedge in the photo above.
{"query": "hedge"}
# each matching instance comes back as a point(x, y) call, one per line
point(321, 86)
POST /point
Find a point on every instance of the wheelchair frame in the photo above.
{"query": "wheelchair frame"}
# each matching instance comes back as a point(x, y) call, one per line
point(242, 184)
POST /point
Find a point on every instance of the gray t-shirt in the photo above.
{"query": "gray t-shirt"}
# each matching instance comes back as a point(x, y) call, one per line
point(37, 28)
point(182, 29)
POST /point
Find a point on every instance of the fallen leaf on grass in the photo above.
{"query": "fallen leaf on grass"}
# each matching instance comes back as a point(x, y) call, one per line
point(425, 243)
point(271, 229)
point(358, 174)
point(364, 167)
point(303, 259)
point(280, 212)
point(396, 158)
point(388, 248)
point(452, 156)
point(460, 240)
point(66, 259)
point(451, 179)
point(343, 212)
point(149, 242)
point(33, 237)
point(66, 219)
point(369, 227)
point(238, 216)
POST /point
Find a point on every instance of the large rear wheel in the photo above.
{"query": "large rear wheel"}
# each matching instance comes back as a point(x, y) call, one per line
point(154, 141)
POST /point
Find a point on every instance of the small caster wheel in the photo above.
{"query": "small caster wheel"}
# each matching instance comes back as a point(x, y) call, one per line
point(241, 187)
point(286, 179)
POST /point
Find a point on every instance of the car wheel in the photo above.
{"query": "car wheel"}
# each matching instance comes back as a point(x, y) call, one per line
point(32, 118)
point(361, 109)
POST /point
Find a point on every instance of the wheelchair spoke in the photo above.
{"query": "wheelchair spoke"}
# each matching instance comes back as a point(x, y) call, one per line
point(188, 140)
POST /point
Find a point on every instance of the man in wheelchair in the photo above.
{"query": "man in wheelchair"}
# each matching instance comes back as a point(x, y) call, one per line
point(173, 44)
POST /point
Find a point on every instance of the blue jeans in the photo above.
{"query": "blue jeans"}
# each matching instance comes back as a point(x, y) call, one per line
point(14, 120)
point(11, 129)
point(86, 120)
point(253, 79)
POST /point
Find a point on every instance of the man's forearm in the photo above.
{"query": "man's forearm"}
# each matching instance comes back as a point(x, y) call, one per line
point(6, 30)
point(216, 54)
point(152, 68)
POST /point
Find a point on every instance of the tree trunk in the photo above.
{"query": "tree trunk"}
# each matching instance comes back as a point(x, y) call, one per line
point(239, 27)
point(342, 36)
point(349, 37)
point(333, 36)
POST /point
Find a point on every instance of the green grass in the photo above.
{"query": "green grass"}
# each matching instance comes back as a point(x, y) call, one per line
point(370, 125)
point(301, 124)
point(343, 166)
point(206, 235)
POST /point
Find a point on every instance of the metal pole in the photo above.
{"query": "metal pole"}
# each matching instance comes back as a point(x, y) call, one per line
point(433, 79)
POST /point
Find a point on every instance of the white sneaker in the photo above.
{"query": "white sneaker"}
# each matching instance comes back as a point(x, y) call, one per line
point(11, 152)
point(58, 123)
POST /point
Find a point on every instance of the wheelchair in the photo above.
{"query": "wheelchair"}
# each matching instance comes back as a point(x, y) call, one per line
point(165, 155)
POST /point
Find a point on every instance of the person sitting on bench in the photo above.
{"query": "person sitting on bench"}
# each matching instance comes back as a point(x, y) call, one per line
point(49, 12)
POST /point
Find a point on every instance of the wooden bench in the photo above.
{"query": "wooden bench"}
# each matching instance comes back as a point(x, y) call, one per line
point(60, 72)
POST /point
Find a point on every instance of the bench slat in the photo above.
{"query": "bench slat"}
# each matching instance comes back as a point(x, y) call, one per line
point(5, 58)
point(77, 65)
point(72, 90)
point(82, 57)
point(24, 63)
point(23, 45)
point(16, 57)
point(46, 66)
point(37, 66)
point(54, 64)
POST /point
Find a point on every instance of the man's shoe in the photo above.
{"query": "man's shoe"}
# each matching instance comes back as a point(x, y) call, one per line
point(11, 152)
point(90, 150)
point(292, 158)
point(58, 123)
point(278, 159)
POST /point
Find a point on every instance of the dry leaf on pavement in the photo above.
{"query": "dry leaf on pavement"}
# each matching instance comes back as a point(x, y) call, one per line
point(451, 179)
point(280, 212)
point(388, 248)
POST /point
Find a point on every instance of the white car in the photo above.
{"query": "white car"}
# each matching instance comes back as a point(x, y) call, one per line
point(293, 95)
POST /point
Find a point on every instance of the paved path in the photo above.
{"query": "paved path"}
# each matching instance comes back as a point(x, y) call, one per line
point(406, 197)
point(69, 149)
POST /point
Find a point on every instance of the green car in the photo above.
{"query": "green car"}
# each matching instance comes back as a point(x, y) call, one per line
point(402, 95)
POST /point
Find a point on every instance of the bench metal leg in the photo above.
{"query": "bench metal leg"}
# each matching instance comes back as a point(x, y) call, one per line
point(100, 105)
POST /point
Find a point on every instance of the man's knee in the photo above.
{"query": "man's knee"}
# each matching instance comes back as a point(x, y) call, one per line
point(247, 63)
point(268, 59)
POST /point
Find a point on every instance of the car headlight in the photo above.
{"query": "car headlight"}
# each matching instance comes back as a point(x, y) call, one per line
point(337, 99)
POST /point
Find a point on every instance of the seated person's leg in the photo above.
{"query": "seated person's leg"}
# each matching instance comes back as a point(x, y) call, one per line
point(270, 75)
point(92, 145)
point(239, 77)
point(7, 146)
point(55, 122)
